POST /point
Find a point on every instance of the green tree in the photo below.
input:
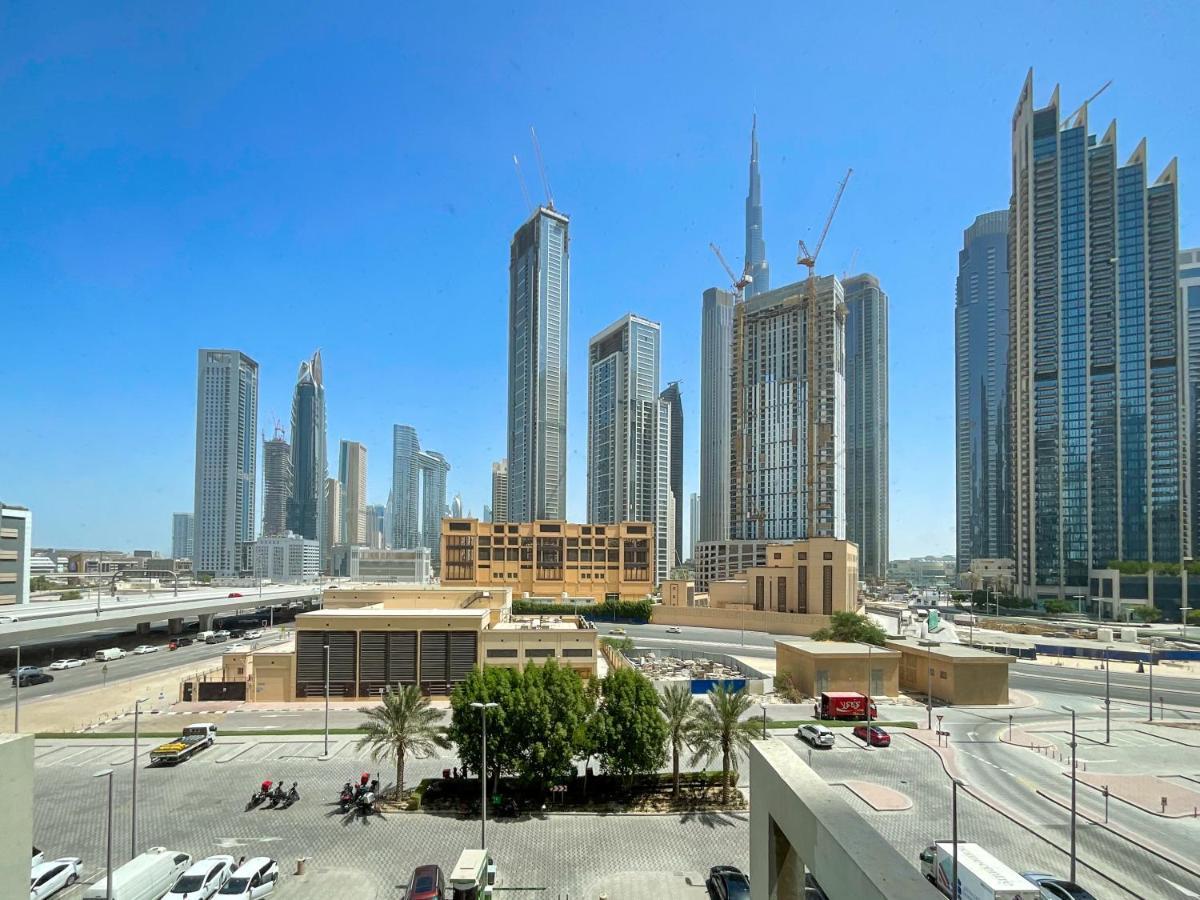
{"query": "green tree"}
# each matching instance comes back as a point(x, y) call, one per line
point(678, 707)
point(622, 644)
point(491, 684)
point(1057, 607)
point(1147, 613)
point(850, 627)
point(1194, 616)
point(626, 731)
point(548, 723)
point(718, 730)
point(70, 595)
point(404, 724)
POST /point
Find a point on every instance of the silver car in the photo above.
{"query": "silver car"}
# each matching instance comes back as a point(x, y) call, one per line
point(816, 735)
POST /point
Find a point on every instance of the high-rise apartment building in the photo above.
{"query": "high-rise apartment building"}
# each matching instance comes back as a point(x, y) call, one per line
point(377, 527)
point(983, 495)
point(352, 476)
point(1096, 354)
point(277, 484)
point(694, 525)
point(418, 494)
point(756, 246)
point(1189, 287)
point(306, 503)
point(333, 514)
point(182, 531)
point(672, 397)
point(785, 482)
point(716, 341)
point(867, 423)
point(500, 491)
point(226, 457)
point(538, 311)
point(629, 432)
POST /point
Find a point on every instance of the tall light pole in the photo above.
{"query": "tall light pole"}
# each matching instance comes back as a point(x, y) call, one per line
point(868, 688)
point(1183, 607)
point(327, 696)
point(483, 708)
point(1150, 695)
point(108, 885)
point(1073, 785)
point(1107, 701)
point(137, 704)
point(955, 784)
point(928, 688)
point(763, 707)
point(17, 692)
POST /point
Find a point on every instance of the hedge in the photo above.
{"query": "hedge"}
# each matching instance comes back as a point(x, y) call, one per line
point(634, 610)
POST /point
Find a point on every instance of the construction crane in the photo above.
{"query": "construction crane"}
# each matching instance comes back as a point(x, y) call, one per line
point(537, 149)
point(809, 260)
point(521, 179)
point(738, 284)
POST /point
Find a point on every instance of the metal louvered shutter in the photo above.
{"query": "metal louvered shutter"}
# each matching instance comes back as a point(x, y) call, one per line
point(402, 657)
point(462, 655)
point(435, 658)
point(310, 663)
point(372, 662)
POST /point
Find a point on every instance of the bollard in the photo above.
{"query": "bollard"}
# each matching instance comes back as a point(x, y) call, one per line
point(300, 865)
point(1164, 805)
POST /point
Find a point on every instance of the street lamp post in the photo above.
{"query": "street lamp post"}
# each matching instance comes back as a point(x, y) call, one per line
point(955, 784)
point(17, 693)
point(326, 697)
point(1183, 606)
point(1073, 785)
point(483, 708)
point(137, 704)
point(108, 885)
point(1150, 694)
point(928, 689)
point(763, 707)
point(1107, 701)
point(868, 686)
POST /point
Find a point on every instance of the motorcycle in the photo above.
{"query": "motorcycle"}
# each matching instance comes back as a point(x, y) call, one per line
point(365, 801)
point(260, 795)
point(277, 796)
point(292, 796)
point(346, 797)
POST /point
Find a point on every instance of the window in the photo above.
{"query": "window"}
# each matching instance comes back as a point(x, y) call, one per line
point(539, 652)
point(501, 653)
point(781, 593)
point(577, 651)
point(828, 554)
point(827, 590)
point(758, 591)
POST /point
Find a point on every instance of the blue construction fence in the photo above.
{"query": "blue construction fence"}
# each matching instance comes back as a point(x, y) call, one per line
point(1142, 655)
point(704, 685)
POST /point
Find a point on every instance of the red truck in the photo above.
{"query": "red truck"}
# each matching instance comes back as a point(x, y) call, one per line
point(843, 705)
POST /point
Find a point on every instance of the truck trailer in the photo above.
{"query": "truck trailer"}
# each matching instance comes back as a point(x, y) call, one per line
point(980, 875)
point(843, 705)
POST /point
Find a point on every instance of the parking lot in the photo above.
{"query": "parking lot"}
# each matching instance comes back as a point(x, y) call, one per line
point(199, 807)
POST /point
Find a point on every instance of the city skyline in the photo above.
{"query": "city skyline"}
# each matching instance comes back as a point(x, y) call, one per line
point(667, 250)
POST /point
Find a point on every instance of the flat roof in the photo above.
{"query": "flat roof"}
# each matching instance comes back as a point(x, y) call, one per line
point(376, 613)
point(835, 648)
point(948, 650)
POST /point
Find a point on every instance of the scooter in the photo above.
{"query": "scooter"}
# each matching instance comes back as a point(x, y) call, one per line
point(277, 796)
point(260, 795)
point(292, 796)
point(346, 797)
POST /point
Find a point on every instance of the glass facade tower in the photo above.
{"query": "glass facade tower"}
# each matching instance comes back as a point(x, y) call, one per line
point(716, 341)
point(306, 504)
point(1189, 287)
point(1096, 365)
point(756, 246)
point(674, 399)
point(983, 499)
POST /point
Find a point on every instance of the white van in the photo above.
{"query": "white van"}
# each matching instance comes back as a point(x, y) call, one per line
point(145, 877)
point(473, 877)
point(203, 636)
point(110, 653)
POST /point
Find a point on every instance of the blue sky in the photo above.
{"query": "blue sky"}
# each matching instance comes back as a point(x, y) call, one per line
point(280, 177)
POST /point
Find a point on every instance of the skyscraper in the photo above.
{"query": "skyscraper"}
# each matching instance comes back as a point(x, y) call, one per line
point(983, 497)
point(1189, 286)
point(500, 491)
point(673, 398)
point(867, 423)
point(376, 526)
point(352, 476)
point(306, 504)
point(716, 341)
point(418, 494)
point(226, 457)
point(538, 311)
point(333, 514)
point(277, 484)
point(786, 483)
point(456, 507)
point(182, 531)
point(756, 247)
point(433, 471)
point(694, 525)
point(1096, 364)
point(629, 432)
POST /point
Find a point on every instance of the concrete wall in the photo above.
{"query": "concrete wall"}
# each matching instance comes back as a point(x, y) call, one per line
point(16, 787)
point(843, 672)
point(274, 675)
point(738, 617)
point(798, 821)
point(961, 675)
point(565, 647)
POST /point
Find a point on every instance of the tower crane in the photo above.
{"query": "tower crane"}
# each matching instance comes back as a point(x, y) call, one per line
point(738, 284)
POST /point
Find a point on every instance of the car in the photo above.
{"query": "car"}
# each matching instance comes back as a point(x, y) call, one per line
point(142, 649)
point(254, 878)
point(236, 634)
point(252, 634)
point(873, 735)
point(816, 735)
point(51, 877)
point(727, 883)
point(234, 596)
point(203, 879)
point(60, 664)
point(29, 676)
point(37, 857)
point(1054, 888)
point(178, 642)
point(428, 883)
point(673, 629)
point(617, 631)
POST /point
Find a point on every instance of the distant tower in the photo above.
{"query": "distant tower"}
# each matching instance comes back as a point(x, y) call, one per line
point(277, 483)
point(672, 397)
point(352, 476)
point(182, 531)
point(500, 491)
point(756, 247)
point(716, 337)
point(456, 507)
point(306, 505)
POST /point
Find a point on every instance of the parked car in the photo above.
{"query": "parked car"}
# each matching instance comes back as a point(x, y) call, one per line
point(253, 879)
point(427, 883)
point(203, 879)
point(29, 676)
point(51, 877)
point(234, 596)
point(147, 875)
point(143, 649)
point(252, 634)
point(60, 664)
point(816, 735)
point(37, 858)
point(674, 629)
point(873, 735)
point(1054, 888)
point(728, 883)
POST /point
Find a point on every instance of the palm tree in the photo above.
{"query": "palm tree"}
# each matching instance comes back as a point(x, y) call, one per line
point(678, 708)
point(718, 729)
point(403, 724)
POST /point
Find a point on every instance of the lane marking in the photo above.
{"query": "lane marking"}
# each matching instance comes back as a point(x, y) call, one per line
point(1179, 887)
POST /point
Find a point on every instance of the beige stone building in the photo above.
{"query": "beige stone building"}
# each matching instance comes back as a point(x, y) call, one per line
point(816, 666)
point(550, 559)
point(677, 592)
point(953, 673)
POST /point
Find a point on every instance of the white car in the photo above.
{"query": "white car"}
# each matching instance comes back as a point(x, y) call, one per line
point(253, 879)
point(674, 629)
point(60, 664)
point(203, 879)
point(141, 649)
point(51, 877)
point(816, 735)
point(251, 635)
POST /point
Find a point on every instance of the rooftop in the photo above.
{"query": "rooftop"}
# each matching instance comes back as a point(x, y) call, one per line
point(539, 623)
point(943, 649)
point(375, 612)
point(835, 648)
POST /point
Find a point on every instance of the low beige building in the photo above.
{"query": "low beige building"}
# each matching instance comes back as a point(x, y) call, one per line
point(550, 559)
point(678, 592)
point(953, 673)
point(817, 666)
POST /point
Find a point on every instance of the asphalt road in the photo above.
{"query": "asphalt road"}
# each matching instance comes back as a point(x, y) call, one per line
point(1131, 688)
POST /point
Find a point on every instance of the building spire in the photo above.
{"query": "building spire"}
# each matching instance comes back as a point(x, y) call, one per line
point(756, 248)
